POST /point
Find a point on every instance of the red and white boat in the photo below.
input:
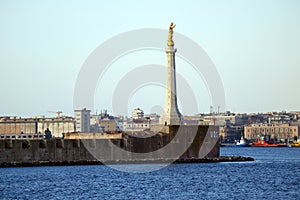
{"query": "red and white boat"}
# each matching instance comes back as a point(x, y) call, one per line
point(264, 143)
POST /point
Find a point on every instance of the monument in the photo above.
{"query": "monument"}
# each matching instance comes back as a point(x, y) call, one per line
point(171, 114)
point(165, 143)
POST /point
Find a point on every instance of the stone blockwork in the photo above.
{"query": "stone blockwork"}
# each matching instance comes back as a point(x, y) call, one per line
point(179, 142)
point(193, 138)
point(42, 150)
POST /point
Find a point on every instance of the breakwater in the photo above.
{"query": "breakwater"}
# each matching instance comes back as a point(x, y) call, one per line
point(97, 162)
point(172, 144)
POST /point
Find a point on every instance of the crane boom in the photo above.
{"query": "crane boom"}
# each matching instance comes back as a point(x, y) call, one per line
point(57, 112)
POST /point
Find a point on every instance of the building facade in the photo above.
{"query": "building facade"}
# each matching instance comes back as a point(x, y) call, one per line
point(135, 124)
point(36, 125)
point(57, 125)
point(137, 113)
point(82, 118)
point(230, 134)
point(284, 132)
point(18, 125)
point(108, 125)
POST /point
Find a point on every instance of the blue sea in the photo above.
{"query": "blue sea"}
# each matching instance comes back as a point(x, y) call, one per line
point(275, 174)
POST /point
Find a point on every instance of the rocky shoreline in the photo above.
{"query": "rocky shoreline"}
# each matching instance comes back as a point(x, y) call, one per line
point(97, 162)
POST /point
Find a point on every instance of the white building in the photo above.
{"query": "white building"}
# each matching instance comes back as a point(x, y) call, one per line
point(82, 118)
point(137, 113)
point(37, 125)
point(134, 124)
point(220, 120)
point(57, 126)
point(94, 124)
point(154, 118)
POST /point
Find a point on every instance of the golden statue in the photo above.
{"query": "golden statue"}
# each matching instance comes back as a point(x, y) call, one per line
point(170, 36)
point(172, 25)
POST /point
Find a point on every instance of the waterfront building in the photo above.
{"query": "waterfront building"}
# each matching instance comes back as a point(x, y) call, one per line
point(36, 125)
point(283, 132)
point(17, 125)
point(82, 118)
point(230, 134)
point(57, 125)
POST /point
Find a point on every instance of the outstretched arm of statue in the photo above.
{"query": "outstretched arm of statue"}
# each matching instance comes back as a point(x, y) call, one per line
point(172, 25)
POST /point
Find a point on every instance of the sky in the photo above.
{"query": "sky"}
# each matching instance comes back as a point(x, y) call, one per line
point(254, 46)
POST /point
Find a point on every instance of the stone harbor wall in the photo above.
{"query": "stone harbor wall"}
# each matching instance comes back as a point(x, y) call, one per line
point(172, 142)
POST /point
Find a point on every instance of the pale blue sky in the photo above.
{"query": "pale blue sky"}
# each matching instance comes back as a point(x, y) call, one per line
point(255, 46)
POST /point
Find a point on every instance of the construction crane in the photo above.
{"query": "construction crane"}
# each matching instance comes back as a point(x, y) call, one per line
point(57, 112)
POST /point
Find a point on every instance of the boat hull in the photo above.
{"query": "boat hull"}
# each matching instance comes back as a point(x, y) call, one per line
point(296, 144)
point(234, 145)
point(263, 143)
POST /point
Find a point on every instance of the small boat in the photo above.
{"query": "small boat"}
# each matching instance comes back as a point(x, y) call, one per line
point(241, 143)
point(264, 143)
point(296, 143)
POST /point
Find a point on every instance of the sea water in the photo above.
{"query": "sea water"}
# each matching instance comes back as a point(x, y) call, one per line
point(275, 174)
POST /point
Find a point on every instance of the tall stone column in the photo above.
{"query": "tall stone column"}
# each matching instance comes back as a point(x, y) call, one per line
point(171, 115)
